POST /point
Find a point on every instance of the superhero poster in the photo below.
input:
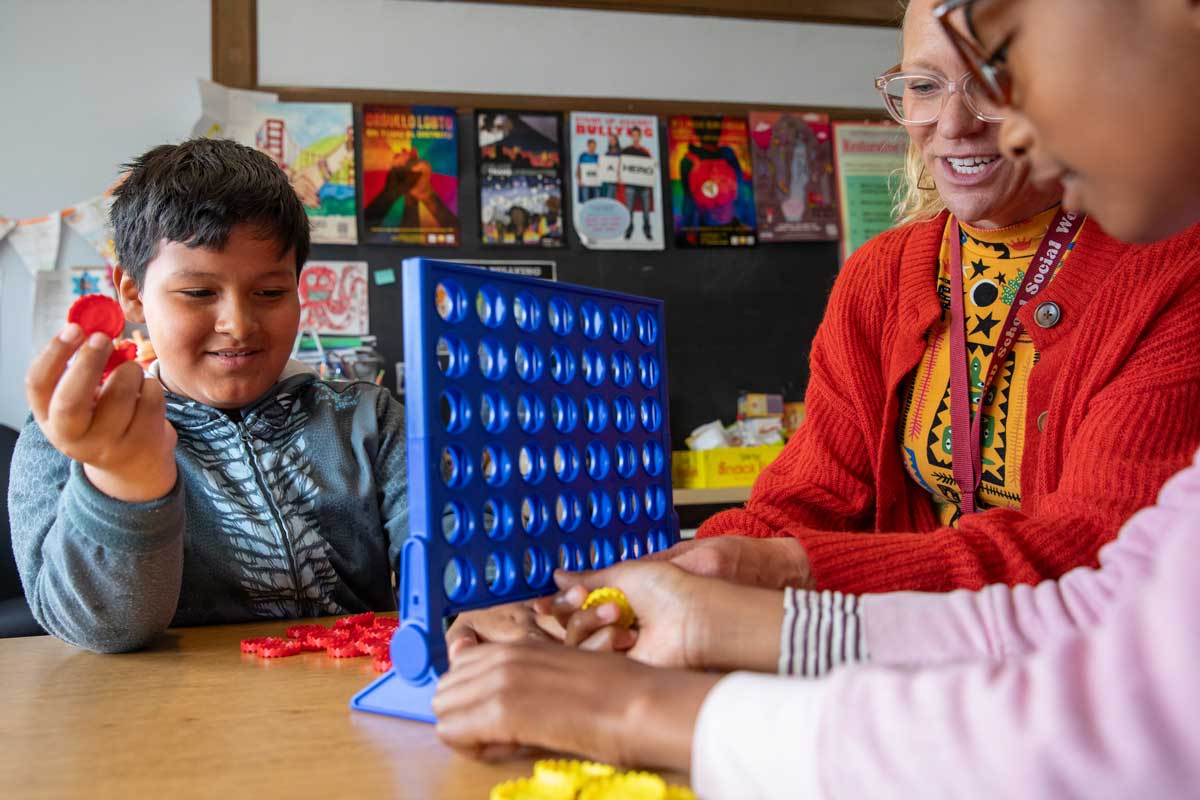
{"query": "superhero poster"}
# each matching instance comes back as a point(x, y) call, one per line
point(712, 194)
point(793, 177)
point(617, 181)
point(520, 178)
point(410, 175)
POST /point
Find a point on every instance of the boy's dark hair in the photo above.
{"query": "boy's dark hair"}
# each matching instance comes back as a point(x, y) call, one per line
point(195, 193)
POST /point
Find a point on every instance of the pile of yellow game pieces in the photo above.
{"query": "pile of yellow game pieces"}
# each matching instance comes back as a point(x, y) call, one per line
point(587, 780)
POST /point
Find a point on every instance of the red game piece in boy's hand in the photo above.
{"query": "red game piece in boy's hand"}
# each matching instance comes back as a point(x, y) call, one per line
point(96, 313)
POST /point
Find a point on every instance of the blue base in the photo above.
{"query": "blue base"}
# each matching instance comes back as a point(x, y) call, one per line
point(393, 696)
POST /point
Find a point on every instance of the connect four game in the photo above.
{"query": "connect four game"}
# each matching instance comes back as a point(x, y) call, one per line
point(537, 439)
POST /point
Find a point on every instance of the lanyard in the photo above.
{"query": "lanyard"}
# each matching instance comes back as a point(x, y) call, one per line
point(965, 432)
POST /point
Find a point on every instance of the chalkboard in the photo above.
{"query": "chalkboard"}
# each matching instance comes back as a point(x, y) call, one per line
point(737, 318)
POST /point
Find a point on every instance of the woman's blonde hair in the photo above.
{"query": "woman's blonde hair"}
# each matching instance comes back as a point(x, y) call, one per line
point(916, 196)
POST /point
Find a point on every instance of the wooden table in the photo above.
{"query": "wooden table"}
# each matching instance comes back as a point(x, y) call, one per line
point(193, 717)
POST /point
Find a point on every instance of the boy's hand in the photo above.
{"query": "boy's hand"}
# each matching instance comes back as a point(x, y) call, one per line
point(512, 622)
point(120, 432)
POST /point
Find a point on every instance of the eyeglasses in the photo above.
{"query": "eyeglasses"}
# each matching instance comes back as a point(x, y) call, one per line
point(989, 72)
point(918, 98)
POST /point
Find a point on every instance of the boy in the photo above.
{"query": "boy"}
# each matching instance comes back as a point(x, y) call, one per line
point(231, 484)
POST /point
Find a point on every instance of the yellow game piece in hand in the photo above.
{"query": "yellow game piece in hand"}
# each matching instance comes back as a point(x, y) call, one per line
point(608, 594)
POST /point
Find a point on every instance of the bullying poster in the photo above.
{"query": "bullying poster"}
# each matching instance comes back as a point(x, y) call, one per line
point(617, 181)
point(794, 194)
point(410, 175)
point(712, 192)
point(520, 178)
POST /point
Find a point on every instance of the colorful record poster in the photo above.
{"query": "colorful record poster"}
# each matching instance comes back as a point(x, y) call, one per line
point(410, 175)
point(314, 144)
point(712, 194)
point(793, 176)
point(616, 175)
point(520, 178)
point(866, 156)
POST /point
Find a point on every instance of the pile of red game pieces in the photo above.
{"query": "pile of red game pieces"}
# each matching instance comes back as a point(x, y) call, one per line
point(350, 637)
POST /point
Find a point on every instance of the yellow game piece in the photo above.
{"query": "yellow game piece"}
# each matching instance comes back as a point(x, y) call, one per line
point(626, 786)
point(569, 774)
point(610, 595)
point(679, 793)
point(529, 789)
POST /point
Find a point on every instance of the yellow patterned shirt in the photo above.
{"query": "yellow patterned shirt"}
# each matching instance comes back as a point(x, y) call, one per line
point(994, 263)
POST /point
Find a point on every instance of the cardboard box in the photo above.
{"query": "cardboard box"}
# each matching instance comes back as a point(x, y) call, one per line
point(759, 405)
point(793, 416)
point(722, 467)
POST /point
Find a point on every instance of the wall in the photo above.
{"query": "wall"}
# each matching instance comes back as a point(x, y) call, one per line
point(92, 84)
point(473, 47)
point(87, 86)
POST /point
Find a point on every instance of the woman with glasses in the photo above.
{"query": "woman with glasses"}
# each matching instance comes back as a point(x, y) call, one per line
point(991, 387)
point(1108, 712)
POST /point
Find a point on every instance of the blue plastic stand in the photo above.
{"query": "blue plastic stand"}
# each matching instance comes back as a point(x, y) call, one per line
point(537, 438)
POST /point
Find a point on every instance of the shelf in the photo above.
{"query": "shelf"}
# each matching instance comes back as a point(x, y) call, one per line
point(703, 497)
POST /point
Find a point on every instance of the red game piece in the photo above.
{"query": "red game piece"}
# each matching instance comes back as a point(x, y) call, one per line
point(347, 650)
point(302, 631)
point(122, 352)
point(374, 645)
point(382, 664)
point(280, 648)
point(358, 620)
point(97, 313)
point(388, 624)
point(252, 645)
point(323, 639)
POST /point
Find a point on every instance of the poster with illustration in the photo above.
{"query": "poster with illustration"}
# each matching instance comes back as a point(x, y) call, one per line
point(712, 193)
point(520, 178)
point(410, 175)
point(314, 144)
point(794, 191)
point(333, 298)
point(617, 183)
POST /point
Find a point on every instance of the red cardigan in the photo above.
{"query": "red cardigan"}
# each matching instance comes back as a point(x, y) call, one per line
point(1113, 410)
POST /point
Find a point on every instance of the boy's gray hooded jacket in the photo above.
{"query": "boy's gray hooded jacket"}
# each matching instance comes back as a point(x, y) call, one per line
point(298, 508)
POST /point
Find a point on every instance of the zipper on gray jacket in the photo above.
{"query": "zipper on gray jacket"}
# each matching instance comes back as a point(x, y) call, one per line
point(247, 439)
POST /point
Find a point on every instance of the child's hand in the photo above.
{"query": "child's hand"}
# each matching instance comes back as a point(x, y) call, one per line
point(512, 622)
point(671, 607)
point(502, 697)
point(120, 432)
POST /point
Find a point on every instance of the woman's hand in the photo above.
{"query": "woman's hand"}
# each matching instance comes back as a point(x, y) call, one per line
point(682, 620)
point(498, 698)
point(768, 563)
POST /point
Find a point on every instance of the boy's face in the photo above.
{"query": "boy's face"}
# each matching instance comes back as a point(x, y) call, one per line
point(222, 323)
